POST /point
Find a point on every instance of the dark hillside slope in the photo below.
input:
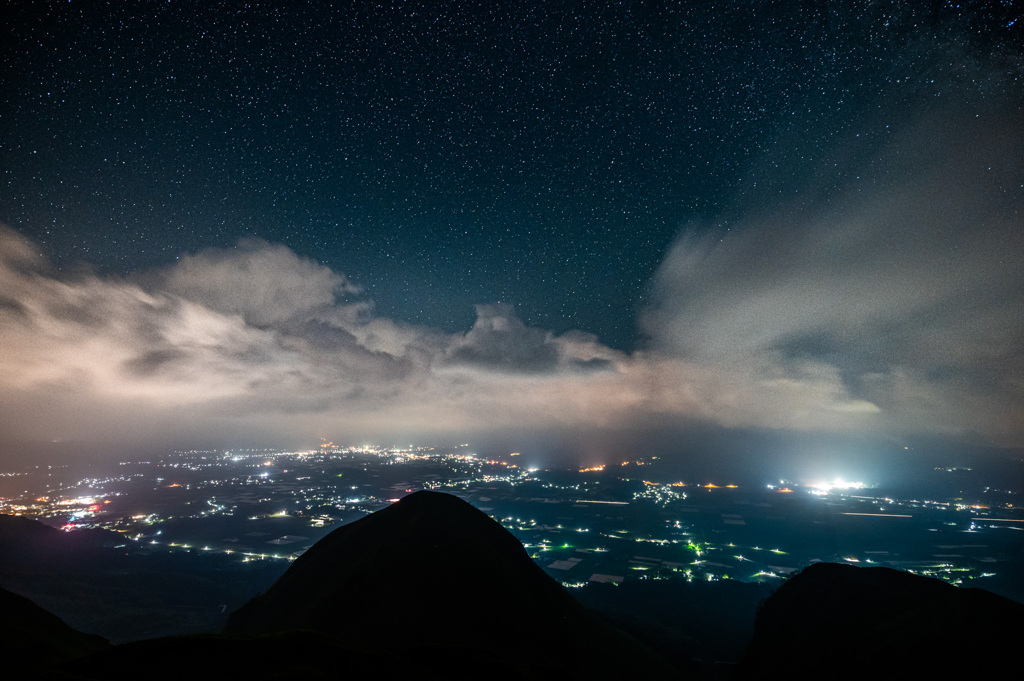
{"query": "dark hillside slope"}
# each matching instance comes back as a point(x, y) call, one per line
point(29, 544)
point(32, 639)
point(872, 622)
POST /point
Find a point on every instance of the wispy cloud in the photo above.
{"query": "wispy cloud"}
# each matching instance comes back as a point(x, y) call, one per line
point(900, 294)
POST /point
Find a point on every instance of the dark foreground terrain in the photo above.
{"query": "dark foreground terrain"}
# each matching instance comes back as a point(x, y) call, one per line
point(430, 587)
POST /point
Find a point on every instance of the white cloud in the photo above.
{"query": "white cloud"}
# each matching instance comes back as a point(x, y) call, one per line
point(266, 284)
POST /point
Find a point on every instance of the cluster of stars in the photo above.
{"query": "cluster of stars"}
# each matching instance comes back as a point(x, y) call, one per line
point(444, 155)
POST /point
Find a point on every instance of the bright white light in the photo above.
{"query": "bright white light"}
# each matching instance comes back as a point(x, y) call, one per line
point(838, 483)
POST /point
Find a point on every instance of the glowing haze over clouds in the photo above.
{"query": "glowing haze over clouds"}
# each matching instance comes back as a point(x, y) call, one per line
point(830, 283)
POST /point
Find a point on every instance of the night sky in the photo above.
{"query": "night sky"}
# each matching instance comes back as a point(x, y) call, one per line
point(257, 222)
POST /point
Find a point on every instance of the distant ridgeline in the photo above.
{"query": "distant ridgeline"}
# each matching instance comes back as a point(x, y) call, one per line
point(431, 588)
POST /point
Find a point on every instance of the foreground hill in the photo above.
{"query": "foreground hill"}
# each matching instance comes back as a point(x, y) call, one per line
point(851, 622)
point(434, 578)
point(431, 588)
point(36, 637)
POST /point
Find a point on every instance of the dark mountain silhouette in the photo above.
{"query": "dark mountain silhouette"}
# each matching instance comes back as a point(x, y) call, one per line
point(431, 588)
point(38, 638)
point(29, 544)
point(847, 622)
point(434, 578)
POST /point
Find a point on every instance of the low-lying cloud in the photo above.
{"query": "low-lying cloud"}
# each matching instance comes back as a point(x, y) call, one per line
point(257, 337)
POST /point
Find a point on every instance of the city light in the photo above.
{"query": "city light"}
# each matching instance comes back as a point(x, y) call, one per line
point(837, 484)
point(568, 521)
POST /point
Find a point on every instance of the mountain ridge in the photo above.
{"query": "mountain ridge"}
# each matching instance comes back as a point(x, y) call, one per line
point(431, 587)
point(448, 577)
point(856, 621)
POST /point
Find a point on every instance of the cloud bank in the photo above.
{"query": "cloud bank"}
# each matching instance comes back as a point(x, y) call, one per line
point(901, 295)
point(892, 306)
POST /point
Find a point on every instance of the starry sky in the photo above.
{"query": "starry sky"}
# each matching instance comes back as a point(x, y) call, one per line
point(274, 222)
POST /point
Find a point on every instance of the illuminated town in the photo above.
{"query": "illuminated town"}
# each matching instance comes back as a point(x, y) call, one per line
point(603, 523)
